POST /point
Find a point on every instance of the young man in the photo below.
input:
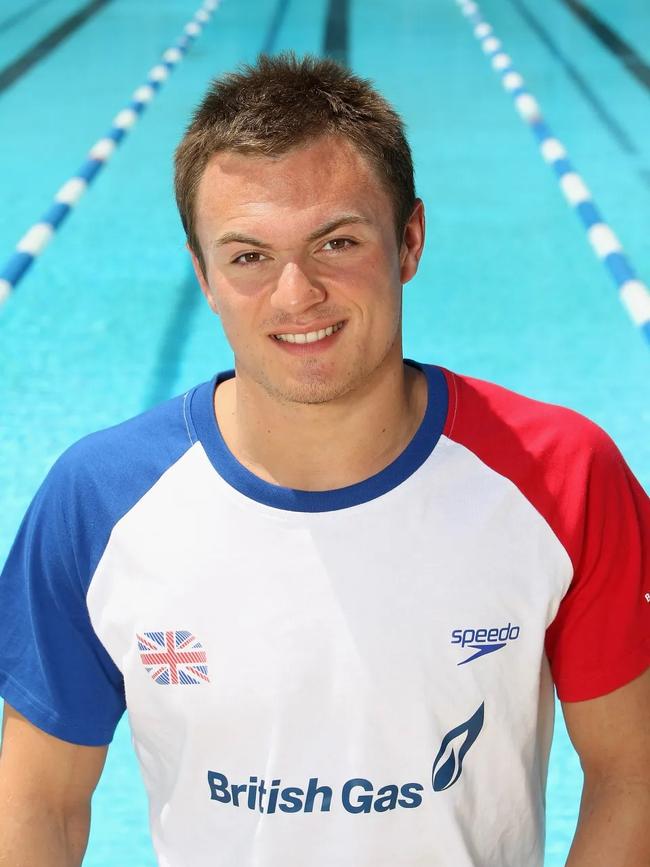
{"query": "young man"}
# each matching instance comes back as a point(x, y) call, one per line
point(333, 589)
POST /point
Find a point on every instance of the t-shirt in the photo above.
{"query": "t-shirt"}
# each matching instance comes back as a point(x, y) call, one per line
point(359, 677)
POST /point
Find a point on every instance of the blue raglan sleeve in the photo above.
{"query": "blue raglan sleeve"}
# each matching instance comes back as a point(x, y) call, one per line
point(53, 668)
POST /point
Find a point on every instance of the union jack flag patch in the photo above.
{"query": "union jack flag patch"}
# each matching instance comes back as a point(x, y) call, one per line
point(173, 657)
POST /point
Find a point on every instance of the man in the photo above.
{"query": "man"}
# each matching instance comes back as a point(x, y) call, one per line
point(333, 588)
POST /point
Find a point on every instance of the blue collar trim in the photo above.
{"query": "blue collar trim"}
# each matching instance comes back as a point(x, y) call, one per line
point(289, 499)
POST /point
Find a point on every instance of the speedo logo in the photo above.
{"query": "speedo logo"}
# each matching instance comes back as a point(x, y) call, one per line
point(484, 640)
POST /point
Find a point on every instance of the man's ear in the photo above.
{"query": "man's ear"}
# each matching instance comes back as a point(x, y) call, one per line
point(203, 283)
point(412, 243)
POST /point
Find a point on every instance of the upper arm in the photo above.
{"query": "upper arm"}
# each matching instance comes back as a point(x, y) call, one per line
point(40, 767)
point(611, 733)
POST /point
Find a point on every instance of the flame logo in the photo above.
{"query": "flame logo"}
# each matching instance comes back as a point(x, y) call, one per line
point(448, 764)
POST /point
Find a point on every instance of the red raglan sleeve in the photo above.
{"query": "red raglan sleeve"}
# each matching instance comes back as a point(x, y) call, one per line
point(600, 637)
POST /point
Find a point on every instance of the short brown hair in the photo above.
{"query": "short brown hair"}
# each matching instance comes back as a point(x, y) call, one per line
point(282, 102)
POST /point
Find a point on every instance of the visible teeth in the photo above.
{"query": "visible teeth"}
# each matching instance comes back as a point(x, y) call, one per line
point(311, 336)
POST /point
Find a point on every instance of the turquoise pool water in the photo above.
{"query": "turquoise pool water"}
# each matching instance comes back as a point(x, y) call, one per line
point(110, 320)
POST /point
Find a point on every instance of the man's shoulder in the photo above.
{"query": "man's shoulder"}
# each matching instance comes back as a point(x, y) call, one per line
point(156, 437)
point(559, 460)
point(487, 416)
point(104, 474)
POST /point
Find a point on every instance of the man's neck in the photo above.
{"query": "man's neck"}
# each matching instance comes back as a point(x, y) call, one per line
point(317, 447)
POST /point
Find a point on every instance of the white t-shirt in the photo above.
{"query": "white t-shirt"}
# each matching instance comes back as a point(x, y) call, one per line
point(360, 677)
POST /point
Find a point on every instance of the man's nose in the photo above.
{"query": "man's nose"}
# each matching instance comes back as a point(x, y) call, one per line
point(295, 290)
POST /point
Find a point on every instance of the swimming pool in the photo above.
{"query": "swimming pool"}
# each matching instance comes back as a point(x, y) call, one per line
point(110, 321)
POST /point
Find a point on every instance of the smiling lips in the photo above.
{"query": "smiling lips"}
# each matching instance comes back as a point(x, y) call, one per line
point(310, 336)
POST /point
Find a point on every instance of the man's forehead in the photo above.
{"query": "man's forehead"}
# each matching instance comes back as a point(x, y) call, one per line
point(326, 167)
point(325, 176)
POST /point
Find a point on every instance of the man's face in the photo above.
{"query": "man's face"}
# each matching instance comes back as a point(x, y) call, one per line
point(303, 267)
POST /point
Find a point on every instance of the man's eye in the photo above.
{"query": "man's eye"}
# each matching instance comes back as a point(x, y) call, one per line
point(338, 244)
point(248, 259)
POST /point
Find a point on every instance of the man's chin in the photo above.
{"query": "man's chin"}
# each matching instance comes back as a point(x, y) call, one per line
point(315, 389)
point(310, 394)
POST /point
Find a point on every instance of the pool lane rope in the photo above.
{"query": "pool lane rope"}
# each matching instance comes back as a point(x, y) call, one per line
point(34, 241)
point(633, 293)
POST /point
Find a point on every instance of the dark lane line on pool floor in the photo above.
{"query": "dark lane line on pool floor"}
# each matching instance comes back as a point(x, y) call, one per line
point(174, 341)
point(335, 40)
point(611, 40)
point(274, 27)
point(601, 111)
point(599, 108)
point(15, 70)
point(21, 15)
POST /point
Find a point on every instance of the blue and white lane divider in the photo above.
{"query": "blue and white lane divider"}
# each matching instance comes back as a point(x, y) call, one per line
point(34, 241)
point(632, 291)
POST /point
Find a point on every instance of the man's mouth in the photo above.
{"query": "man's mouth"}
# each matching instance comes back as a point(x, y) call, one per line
point(310, 336)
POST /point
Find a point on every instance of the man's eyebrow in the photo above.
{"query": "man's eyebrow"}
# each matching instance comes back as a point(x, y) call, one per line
point(237, 237)
point(331, 225)
point(325, 229)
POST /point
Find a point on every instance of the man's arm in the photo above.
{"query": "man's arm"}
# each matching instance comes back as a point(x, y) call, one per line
point(611, 735)
point(45, 789)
